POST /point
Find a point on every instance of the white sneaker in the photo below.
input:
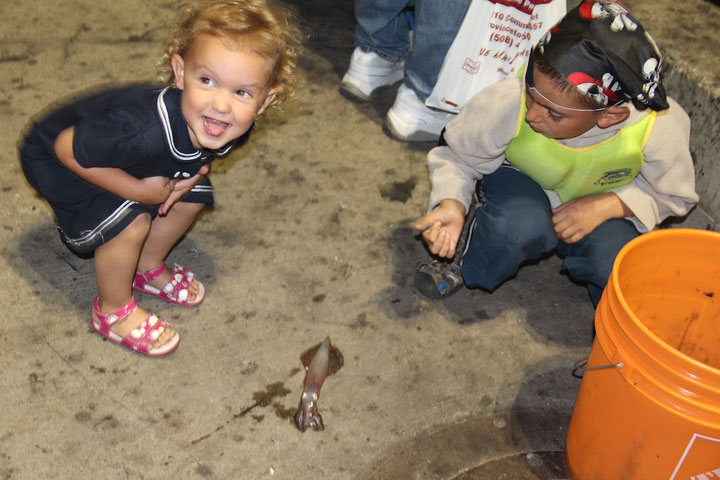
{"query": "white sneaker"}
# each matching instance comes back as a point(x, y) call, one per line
point(410, 120)
point(367, 72)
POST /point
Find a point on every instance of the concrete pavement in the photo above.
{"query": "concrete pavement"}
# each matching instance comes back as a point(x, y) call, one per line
point(310, 238)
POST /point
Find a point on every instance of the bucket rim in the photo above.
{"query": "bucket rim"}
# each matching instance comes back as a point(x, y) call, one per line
point(630, 246)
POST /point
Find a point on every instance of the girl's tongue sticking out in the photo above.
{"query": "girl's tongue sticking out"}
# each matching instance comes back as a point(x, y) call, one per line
point(214, 127)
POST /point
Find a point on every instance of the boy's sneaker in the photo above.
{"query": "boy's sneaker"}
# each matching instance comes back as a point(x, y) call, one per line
point(440, 279)
point(368, 72)
point(410, 120)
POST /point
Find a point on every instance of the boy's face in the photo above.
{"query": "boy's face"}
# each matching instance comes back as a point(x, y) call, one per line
point(547, 115)
point(223, 90)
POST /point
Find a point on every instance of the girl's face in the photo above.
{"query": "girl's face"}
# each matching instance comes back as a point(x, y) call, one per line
point(224, 88)
point(548, 115)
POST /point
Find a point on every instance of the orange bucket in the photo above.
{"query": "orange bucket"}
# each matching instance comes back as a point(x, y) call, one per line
point(649, 403)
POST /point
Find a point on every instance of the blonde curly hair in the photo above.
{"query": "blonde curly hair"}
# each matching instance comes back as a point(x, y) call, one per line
point(263, 27)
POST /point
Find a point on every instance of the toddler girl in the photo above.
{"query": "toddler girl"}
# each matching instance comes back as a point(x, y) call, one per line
point(125, 169)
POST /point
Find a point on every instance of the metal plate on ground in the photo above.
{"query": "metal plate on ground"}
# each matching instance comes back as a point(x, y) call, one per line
point(517, 445)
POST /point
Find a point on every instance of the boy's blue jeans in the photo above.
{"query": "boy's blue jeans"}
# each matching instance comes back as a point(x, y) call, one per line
point(515, 225)
point(383, 28)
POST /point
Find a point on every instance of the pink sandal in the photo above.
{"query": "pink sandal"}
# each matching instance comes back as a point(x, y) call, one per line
point(175, 291)
point(140, 339)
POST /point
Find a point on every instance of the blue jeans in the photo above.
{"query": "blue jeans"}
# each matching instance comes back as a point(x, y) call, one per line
point(514, 225)
point(383, 28)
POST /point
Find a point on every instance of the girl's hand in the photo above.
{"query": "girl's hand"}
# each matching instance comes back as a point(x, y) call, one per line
point(182, 188)
point(441, 228)
point(579, 217)
point(155, 190)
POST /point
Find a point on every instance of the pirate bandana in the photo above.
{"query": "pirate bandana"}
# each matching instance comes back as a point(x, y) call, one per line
point(602, 49)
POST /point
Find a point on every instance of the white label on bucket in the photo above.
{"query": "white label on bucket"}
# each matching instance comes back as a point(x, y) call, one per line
point(707, 476)
point(714, 474)
point(693, 464)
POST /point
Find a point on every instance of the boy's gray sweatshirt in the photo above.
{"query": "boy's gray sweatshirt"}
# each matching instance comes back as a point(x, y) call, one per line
point(476, 140)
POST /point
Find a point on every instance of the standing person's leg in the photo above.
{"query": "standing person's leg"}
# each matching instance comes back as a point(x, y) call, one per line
point(154, 277)
point(436, 24)
point(590, 260)
point(382, 28)
point(513, 224)
point(382, 39)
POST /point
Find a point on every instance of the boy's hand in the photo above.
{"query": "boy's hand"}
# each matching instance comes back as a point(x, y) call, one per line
point(579, 217)
point(441, 228)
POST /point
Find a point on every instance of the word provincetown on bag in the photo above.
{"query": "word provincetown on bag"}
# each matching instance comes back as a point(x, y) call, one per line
point(493, 43)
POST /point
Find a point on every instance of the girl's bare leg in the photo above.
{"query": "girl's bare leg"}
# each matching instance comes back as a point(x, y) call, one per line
point(164, 234)
point(115, 264)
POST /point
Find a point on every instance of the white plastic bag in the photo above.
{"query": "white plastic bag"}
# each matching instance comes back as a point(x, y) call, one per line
point(492, 43)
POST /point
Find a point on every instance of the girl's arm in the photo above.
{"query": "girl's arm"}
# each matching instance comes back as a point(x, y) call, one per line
point(152, 191)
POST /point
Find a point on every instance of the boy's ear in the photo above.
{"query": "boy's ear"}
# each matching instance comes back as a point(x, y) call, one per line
point(268, 101)
point(613, 116)
point(178, 67)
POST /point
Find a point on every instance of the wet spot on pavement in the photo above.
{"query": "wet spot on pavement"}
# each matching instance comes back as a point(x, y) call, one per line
point(361, 322)
point(398, 191)
point(263, 398)
point(83, 416)
point(203, 471)
point(284, 413)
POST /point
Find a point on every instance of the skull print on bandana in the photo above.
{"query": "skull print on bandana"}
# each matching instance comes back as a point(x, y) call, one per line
point(604, 51)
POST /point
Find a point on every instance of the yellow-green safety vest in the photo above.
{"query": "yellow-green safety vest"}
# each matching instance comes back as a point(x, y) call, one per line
point(575, 172)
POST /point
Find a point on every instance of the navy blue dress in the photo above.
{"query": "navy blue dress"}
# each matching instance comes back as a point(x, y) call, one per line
point(139, 129)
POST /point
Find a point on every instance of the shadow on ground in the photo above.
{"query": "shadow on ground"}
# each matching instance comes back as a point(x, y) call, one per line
point(540, 284)
point(72, 276)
